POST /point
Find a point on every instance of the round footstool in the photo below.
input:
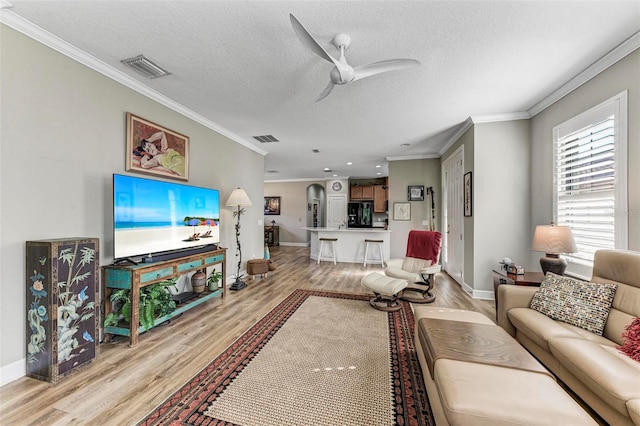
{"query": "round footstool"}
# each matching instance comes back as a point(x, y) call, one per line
point(386, 289)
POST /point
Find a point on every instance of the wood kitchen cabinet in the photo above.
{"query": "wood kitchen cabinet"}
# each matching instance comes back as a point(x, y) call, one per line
point(379, 199)
point(361, 192)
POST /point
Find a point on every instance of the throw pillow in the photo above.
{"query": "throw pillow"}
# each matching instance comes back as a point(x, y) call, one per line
point(415, 265)
point(580, 303)
point(631, 338)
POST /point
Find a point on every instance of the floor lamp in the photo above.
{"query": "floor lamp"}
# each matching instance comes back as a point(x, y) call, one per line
point(238, 199)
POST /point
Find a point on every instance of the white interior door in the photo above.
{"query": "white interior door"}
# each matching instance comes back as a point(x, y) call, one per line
point(337, 210)
point(453, 217)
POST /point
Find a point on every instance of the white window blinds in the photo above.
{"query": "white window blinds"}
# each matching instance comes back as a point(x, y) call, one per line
point(590, 180)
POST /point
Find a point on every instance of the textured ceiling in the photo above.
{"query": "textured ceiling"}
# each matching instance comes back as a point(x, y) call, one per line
point(239, 65)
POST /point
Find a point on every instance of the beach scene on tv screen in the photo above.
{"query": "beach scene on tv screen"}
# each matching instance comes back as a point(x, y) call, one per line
point(153, 216)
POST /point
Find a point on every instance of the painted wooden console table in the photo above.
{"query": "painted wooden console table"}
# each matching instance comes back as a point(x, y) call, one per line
point(134, 277)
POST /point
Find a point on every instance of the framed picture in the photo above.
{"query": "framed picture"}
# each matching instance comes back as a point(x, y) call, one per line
point(272, 205)
point(468, 191)
point(156, 150)
point(415, 193)
point(401, 211)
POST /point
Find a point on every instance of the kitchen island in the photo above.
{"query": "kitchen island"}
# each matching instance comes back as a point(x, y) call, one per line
point(350, 245)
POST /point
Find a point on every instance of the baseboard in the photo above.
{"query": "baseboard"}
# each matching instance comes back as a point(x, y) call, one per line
point(13, 371)
point(295, 244)
point(483, 294)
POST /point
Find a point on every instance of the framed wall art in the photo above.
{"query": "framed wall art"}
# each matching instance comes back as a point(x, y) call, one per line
point(156, 150)
point(415, 193)
point(468, 191)
point(271, 205)
point(401, 211)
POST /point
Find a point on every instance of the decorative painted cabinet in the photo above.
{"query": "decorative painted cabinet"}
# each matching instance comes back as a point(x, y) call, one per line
point(62, 305)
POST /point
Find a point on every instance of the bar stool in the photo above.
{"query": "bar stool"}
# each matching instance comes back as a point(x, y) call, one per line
point(366, 251)
point(333, 248)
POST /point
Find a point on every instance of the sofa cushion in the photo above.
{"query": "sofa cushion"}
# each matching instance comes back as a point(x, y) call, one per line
point(580, 303)
point(611, 375)
point(538, 327)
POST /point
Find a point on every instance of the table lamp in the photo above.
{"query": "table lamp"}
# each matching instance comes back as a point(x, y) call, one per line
point(553, 240)
point(238, 199)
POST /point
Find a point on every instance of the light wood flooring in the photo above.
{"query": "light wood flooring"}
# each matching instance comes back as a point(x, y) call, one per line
point(123, 384)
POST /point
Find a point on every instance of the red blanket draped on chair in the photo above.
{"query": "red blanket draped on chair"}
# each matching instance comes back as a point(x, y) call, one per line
point(424, 245)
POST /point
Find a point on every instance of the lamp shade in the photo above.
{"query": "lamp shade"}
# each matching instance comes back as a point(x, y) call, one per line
point(553, 239)
point(238, 198)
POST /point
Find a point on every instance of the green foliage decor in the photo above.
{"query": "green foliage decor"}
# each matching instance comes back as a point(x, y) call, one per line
point(155, 301)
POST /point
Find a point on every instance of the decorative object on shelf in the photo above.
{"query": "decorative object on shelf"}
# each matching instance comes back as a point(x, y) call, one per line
point(553, 240)
point(468, 197)
point(156, 150)
point(238, 199)
point(415, 193)
point(514, 269)
point(337, 186)
point(401, 211)
point(213, 279)
point(271, 205)
point(62, 306)
point(198, 281)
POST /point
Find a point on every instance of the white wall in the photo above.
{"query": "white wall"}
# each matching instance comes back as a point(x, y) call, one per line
point(293, 209)
point(403, 173)
point(501, 201)
point(624, 75)
point(62, 137)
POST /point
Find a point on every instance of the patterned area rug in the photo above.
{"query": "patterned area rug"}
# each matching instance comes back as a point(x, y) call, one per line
point(316, 358)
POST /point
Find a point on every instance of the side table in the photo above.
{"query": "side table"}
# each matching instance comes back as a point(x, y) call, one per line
point(501, 277)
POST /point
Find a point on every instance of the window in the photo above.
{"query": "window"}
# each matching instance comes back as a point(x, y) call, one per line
point(590, 180)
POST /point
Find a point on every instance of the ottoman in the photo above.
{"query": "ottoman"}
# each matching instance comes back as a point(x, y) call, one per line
point(386, 289)
point(477, 375)
point(258, 267)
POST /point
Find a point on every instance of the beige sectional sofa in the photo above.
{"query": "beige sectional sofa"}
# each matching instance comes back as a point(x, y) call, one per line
point(589, 364)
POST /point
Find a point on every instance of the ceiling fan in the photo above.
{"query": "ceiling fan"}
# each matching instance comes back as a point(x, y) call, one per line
point(342, 72)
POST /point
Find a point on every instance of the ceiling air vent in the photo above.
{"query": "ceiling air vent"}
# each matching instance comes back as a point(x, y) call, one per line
point(144, 66)
point(272, 171)
point(266, 139)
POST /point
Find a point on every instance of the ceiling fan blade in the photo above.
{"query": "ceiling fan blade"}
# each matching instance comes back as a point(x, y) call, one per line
point(312, 44)
point(325, 92)
point(368, 70)
point(307, 39)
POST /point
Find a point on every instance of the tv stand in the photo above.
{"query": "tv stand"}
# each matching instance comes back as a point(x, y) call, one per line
point(136, 276)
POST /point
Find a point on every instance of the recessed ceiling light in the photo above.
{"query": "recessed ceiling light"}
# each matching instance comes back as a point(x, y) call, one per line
point(349, 163)
point(378, 166)
point(335, 175)
point(379, 173)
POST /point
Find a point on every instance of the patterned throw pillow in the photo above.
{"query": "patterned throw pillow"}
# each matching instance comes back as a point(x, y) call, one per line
point(583, 304)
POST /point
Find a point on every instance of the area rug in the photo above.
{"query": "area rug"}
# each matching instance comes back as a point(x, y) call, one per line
point(318, 358)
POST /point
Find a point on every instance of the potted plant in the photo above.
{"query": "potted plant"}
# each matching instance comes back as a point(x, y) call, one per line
point(155, 301)
point(213, 279)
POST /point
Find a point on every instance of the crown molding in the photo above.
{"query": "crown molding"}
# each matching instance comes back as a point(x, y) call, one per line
point(33, 31)
point(510, 116)
point(4, 4)
point(466, 125)
point(618, 53)
point(413, 157)
point(293, 180)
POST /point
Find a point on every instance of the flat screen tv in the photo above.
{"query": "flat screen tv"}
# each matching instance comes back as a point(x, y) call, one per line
point(151, 216)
